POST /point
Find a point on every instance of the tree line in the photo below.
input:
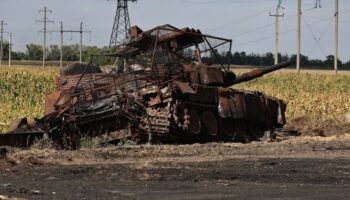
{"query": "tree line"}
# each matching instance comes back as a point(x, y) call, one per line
point(34, 52)
point(266, 59)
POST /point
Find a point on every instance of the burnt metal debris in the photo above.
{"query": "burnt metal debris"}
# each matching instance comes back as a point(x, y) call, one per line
point(159, 90)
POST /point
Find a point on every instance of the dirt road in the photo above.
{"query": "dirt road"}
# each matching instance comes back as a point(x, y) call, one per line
point(299, 168)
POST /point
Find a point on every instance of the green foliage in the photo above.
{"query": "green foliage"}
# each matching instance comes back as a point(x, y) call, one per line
point(23, 91)
point(89, 51)
point(307, 95)
point(71, 52)
point(54, 53)
point(34, 52)
point(242, 58)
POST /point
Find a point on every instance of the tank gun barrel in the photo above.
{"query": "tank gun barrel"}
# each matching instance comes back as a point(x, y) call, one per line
point(260, 72)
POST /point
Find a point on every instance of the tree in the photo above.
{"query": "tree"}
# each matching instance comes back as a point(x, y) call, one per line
point(19, 55)
point(346, 65)
point(70, 52)
point(5, 50)
point(268, 59)
point(304, 60)
point(34, 52)
point(54, 53)
point(329, 62)
point(102, 60)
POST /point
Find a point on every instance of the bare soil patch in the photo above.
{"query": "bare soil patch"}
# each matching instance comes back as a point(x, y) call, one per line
point(312, 166)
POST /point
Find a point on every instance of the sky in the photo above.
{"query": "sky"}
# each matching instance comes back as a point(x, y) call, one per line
point(247, 22)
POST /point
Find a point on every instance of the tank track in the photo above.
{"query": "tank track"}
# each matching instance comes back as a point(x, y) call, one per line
point(158, 119)
point(197, 121)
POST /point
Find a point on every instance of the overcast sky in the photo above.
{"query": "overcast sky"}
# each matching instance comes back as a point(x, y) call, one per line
point(247, 22)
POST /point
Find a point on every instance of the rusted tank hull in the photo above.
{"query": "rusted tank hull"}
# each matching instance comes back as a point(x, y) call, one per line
point(229, 115)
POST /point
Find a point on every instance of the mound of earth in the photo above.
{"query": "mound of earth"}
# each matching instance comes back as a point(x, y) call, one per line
point(331, 126)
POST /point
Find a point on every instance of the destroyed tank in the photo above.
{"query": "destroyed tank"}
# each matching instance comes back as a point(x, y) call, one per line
point(161, 88)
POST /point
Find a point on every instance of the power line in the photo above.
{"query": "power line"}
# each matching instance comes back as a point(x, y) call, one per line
point(267, 25)
point(263, 35)
point(81, 31)
point(242, 19)
point(203, 12)
point(314, 36)
point(288, 31)
point(45, 20)
point(255, 15)
point(319, 39)
point(2, 24)
point(271, 24)
point(281, 33)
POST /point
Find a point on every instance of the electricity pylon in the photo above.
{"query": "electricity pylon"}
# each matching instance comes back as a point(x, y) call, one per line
point(121, 25)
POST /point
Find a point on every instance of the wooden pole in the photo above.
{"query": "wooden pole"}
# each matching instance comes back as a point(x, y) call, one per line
point(299, 37)
point(336, 37)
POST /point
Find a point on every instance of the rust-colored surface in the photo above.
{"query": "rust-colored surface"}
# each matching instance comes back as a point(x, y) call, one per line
point(160, 90)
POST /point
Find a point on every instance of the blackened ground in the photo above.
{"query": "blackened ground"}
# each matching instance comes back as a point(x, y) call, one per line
point(299, 168)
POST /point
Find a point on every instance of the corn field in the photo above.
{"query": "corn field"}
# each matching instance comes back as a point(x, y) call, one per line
point(311, 95)
point(22, 93)
point(23, 90)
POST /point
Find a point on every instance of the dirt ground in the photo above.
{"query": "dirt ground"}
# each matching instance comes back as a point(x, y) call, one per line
point(315, 165)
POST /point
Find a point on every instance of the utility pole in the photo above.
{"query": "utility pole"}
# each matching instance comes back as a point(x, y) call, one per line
point(45, 20)
point(61, 46)
point(277, 16)
point(2, 23)
point(318, 4)
point(10, 49)
point(81, 40)
point(81, 31)
point(121, 24)
point(336, 36)
point(299, 36)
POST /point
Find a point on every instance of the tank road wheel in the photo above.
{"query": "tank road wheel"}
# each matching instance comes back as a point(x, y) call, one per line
point(195, 122)
point(210, 123)
point(226, 126)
